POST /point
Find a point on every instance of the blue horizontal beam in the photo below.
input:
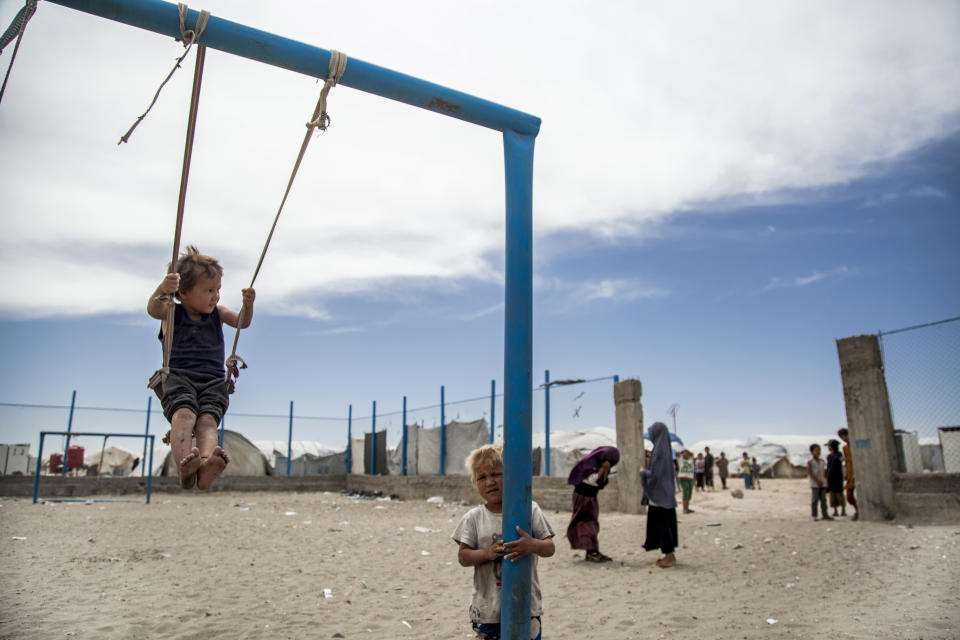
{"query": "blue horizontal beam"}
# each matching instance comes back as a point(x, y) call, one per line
point(230, 37)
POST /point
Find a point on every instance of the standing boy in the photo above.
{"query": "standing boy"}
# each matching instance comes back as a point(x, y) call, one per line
point(685, 472)
point(817, 474)
point(835, 478)
point(746, 471)
point(722, 468)
point(194, 395)
point(708, 467)
point(480, 536)
point(848, 466)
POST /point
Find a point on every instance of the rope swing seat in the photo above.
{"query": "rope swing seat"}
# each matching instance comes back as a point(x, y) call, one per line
point(320, 120)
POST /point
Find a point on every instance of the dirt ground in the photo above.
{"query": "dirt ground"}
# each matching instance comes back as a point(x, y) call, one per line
point(324, 565)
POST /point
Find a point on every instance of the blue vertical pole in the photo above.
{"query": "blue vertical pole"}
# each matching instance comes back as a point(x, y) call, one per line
point(349, 461)
point(616, 379)
point(143, 460)
point(150, 475)
point(404, 463)
point(223, 427)
point(66, 447)
point(36, 477)
point(517, 379)
point(290, 439)
point(546, 421)
point(493, 413)
point(373, 441)
point(443, 432)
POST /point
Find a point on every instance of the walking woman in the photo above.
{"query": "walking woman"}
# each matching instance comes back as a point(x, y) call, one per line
point(588, 477)
point(658, 494)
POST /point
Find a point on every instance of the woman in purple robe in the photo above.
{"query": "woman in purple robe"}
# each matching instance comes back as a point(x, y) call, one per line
point(588, 477)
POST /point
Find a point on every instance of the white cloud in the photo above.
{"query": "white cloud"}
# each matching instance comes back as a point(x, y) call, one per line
point(929, 192)
point(482, 312)
point(777, 282)
point(654, 108)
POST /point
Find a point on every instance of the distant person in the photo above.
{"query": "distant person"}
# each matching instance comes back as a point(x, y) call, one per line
point(588, 477)
point(722, 463)
point(848, 466)
point(194, 394)
point(658, 494)
point(755, 473)
point(745, 471)
point(835, 478)
point(699, 471)
point(708, 461)
point(817, 474)
point(685, 472)
point(480, 536)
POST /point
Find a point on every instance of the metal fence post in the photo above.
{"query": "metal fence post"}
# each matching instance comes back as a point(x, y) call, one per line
point(66, 447)
point(443, 431)
point(404, 459)
point(290, 439)
point(546, 417)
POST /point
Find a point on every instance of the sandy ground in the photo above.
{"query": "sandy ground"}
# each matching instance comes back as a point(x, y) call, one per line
point(257, 565)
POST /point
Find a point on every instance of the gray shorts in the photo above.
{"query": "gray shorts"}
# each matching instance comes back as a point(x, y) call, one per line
point(199, 392)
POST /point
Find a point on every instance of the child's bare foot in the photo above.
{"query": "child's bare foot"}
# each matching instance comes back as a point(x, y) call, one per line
point(187, 469)
point(211, 468)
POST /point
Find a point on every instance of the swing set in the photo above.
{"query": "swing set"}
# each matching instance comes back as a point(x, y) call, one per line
point(519, 131)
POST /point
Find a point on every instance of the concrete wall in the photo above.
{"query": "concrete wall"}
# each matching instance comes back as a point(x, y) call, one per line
point(882, 493)
point(552, 494)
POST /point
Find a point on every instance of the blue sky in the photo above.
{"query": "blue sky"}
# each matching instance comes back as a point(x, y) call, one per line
point(716, 203)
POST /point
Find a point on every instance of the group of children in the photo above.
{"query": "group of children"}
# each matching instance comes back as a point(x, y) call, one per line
point(829, 478)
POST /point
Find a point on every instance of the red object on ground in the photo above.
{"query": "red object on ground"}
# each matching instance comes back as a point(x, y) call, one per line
point(56, 462)
point(74, 457)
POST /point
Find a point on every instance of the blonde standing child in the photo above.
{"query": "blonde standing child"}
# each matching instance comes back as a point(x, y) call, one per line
point(194, 395)
point(480, 536)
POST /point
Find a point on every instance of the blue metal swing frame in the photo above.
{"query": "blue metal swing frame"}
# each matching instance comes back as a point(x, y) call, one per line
point(519, 133)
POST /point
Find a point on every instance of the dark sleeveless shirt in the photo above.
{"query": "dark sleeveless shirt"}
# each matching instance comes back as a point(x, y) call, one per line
point(197, 345)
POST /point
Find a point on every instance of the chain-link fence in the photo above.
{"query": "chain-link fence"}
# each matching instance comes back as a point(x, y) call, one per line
point(922, 369)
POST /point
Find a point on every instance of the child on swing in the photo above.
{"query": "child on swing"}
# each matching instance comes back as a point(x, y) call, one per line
point(194, 394)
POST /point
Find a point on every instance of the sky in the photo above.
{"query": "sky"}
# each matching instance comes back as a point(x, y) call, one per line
point(721, 191)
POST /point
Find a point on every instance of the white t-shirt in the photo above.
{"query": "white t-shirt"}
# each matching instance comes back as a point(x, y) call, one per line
point(684, 467)
point(818, 467)
point(478, 529)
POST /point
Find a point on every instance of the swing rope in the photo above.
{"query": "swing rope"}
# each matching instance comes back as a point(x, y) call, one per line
point(160, 377)
point(320, 120)
point(189, 37)
point(16, 30)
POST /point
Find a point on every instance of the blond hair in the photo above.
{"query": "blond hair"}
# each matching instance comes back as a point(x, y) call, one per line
point(489, 455)
point(193, 265)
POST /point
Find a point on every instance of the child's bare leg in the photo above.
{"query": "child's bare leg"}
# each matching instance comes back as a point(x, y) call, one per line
point(214, 459)
point(187, 456)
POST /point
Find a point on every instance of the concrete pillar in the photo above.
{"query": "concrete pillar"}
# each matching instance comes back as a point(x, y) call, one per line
point(626, 398)
point(870, 425)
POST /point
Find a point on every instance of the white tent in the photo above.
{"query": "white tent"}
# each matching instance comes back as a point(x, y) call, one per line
point(777, 455)
point(305, 455)
point(112, 461)
point(567, 447)
point(245, 458)
point(423, 448)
